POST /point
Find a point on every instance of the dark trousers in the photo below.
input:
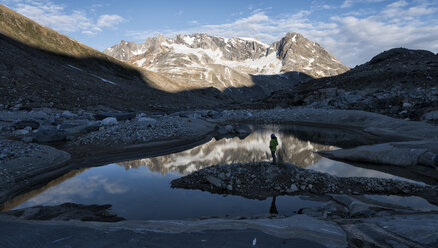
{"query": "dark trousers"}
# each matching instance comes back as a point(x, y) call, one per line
point(274, 158)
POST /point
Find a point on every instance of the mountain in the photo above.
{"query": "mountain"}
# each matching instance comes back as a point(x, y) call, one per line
point(43, 68)
point(400, 82)
point(201, 60)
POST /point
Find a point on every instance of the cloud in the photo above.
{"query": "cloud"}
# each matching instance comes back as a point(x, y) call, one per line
point(109, 20)
point(55, 16)
point(353, 38)
point(347, 4)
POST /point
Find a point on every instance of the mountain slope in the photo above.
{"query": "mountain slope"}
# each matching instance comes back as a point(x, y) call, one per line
point(42, 68)
point(201, 60)
point(400, 82)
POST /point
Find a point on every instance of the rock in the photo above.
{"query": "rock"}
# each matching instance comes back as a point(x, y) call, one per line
point(27, 139)
point(431, 116)
point(27, 123)
point(420, 228)
point(17, 107)
point(147, 120)
point(221, 130)
point(243, 129)
point(401, 154)
point(407, 105)
point(214, 181)
point(293, 188)
point(79, 127)
point(109, 121)
point(120, 116)
point(49, 135)
point(68, 115)
point(229, 128)
point(22, 132)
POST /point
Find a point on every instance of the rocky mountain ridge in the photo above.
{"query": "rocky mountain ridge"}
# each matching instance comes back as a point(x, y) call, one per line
point(400, 82)
point(201, 60)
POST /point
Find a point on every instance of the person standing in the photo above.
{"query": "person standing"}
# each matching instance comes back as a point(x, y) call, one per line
point(273, 146)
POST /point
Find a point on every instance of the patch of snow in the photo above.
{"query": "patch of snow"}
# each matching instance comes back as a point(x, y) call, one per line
point(189, 40)
point(140, 62)
point(138, 52)
point(266, 65)
point(253, 40)
point(79, 69)
point(74, 67)
point(103, 79)
point(294, 38)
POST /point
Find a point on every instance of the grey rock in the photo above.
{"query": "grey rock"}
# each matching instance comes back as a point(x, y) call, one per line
point(120, 116)
point(22, 132)
point(27, 139)
point(109, 121)
point(214, 181)
point(27, 123)
point(68, 115)
point(147, 120)
point(293, 188)
point(79, 127)
point(229, 128)
point(49, 135)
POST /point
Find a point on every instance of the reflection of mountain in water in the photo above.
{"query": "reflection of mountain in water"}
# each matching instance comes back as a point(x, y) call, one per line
point(254, 147)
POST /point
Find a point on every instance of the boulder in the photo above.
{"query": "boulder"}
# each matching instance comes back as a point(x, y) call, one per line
point(22, 132)
point(120, 116)
point(147, 120)
point(214, 181)
point(431, 116)
point(68, 115)
point(79, 127)
point(229, 128)
point(243, 129)
point(109, 121)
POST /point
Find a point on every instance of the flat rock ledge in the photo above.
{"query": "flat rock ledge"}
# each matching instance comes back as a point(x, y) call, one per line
point(260, 180)
point(402, 154)
point(24, 165)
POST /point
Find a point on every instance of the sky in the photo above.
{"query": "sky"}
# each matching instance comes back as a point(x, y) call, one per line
point(352, 30)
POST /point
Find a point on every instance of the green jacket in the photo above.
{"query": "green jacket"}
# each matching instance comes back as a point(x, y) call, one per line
point(273, 144)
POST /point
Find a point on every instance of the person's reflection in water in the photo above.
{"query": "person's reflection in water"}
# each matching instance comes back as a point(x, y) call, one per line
point(273, 209)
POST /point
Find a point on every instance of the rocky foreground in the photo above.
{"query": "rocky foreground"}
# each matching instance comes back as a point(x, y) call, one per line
point(348, 220)
point(261, 180)
point(83, 133)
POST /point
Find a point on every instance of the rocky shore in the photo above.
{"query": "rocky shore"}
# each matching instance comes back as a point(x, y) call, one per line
point(261, 180)
point(29, 137)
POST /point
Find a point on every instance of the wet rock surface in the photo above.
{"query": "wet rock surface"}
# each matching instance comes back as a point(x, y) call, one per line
point(403, 154)
point(67, 211)
point(260, 180)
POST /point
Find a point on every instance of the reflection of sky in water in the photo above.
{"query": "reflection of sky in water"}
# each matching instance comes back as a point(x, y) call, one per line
point(142, 194)
point(140, 189)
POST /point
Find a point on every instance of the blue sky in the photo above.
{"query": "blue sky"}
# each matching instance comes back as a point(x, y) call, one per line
point(352, 30)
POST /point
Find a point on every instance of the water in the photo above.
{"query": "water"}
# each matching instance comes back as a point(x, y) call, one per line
point(140, 189)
